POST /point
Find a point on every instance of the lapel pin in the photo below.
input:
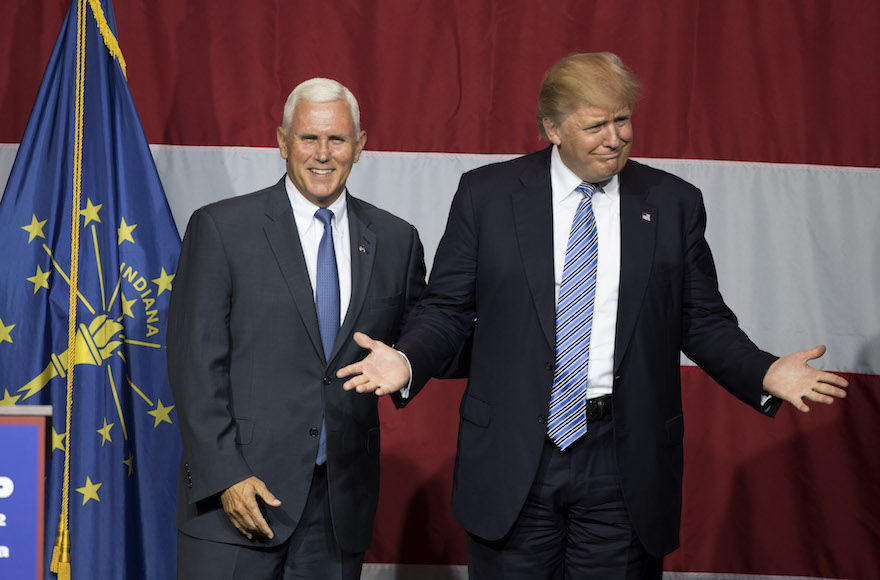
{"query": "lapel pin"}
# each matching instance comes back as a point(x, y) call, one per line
point(646, 216)
point(363, 250)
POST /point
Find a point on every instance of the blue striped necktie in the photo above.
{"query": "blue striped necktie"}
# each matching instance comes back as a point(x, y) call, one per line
point(327, 304)
point(574, 321)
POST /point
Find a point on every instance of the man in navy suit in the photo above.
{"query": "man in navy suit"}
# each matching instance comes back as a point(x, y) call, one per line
point(605, 502)
point(280, 470)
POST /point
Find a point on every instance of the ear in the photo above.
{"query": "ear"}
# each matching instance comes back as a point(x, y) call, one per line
point(552, 130)
point(362, 140)
point(282, 141)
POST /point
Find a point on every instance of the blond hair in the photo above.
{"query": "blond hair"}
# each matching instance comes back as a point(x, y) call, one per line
point(599, 79)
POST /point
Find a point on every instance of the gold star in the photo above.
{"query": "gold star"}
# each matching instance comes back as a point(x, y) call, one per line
point(8, 401)
point(105, 432)
point(35, 229)
point(6, 332)
point(89, 491)
point(58, 440)
point(91, 212)
point(126, 306)
point(40, 279)
point(124, 233)
point(161, 413)
point(164, 281)
point(129, 462)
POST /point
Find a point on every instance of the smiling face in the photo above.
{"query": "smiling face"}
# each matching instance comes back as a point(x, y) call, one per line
point(320, 149)
point(594, 143)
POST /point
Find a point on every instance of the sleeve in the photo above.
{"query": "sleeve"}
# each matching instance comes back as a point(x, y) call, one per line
point(199, 347)
point(437, 330)
point(711, 335)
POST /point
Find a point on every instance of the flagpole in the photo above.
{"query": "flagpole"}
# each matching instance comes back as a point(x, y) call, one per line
point(61, 556)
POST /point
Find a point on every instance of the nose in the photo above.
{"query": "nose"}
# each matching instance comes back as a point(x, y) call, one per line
point(323, 151)
point(612, 136)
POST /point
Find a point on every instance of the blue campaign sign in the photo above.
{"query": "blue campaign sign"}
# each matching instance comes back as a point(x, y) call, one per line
point(22, 453)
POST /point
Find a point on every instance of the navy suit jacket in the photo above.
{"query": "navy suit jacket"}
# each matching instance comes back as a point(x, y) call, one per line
point(248, 371)
point(493, 276)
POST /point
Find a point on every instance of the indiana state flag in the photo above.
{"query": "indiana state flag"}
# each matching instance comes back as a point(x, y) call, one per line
point(88, 250)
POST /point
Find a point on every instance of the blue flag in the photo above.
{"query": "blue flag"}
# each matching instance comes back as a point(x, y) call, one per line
point(84, 159)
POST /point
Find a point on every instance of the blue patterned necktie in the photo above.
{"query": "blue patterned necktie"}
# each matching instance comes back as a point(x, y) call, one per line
point(574, 321)
point(327, 304)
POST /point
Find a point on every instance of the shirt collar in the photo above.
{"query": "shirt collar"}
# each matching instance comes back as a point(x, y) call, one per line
point(563, 181)
point(304, 210)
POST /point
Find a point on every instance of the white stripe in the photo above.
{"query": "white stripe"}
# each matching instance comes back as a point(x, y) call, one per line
point(711, 576)
point(795, 245)
point(415, 572)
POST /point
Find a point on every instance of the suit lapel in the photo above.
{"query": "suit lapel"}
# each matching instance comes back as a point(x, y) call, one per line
point(283, 237)
point(638, 232)
point(363, 242)
point(533, 219)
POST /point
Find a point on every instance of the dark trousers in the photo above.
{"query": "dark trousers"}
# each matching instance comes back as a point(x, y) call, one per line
point(311, 552)
point(574, 524)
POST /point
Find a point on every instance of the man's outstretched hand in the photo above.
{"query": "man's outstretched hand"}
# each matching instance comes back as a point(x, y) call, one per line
point(790, 378)
point(383, 371)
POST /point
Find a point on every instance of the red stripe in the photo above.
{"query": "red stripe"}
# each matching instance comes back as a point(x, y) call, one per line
point(794, 495)
point(413, 523)
point(775, 81)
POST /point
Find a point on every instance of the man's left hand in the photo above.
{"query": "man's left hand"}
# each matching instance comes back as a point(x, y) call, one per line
point(790, 378)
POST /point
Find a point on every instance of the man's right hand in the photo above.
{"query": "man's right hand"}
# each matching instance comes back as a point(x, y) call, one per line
point(383, 371)
point(240, 504)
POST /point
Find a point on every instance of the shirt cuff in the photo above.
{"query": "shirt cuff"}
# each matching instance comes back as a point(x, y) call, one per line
point(404, 392)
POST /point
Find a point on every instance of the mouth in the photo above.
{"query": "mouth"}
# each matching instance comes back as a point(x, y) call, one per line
point(321, 171)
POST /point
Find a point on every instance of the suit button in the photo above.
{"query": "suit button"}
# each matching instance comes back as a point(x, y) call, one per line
point(548, 366)
point(313, 432)
point(542, 419)
point(327, 380)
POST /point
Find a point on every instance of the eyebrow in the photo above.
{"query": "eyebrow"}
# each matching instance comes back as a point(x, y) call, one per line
point(314, 136)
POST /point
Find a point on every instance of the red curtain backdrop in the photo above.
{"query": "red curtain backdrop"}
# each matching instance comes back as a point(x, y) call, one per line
point(780, 82)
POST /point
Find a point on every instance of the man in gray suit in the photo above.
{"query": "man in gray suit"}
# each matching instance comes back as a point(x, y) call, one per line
point(280, 470)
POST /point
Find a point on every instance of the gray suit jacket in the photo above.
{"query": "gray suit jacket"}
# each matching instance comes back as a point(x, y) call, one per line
point(248, 370)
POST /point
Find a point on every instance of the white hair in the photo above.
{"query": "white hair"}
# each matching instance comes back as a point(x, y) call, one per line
point(320, 90)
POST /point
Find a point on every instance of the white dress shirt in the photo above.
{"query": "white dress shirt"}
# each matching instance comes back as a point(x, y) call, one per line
point(311, 230)
point(606, 210)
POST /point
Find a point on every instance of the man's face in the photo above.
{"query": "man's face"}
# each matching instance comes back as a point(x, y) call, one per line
point(320, 149)
point(593, 142)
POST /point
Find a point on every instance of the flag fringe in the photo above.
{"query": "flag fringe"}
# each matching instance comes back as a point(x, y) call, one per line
point(61, 553)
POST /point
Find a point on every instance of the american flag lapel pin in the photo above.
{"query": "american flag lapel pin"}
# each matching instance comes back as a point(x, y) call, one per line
point(646, 216)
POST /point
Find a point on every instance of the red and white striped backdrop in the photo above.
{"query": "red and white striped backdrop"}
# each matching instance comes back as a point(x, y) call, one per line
point(769, 107)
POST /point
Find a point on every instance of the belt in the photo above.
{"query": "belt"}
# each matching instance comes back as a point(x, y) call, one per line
point(598, 408)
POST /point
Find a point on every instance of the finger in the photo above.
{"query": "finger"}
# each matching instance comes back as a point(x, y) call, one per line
point(817, 397)
point(241, 529)
point(363, 341)
point(268, 496)
point(354, 382)
point(830, 390)
point(799, 404)
point(832, 379)
point(814, 352)
point(239, 521)
point(352, 369)
point(251, 518)
point(262, 526)
point(366, 386)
